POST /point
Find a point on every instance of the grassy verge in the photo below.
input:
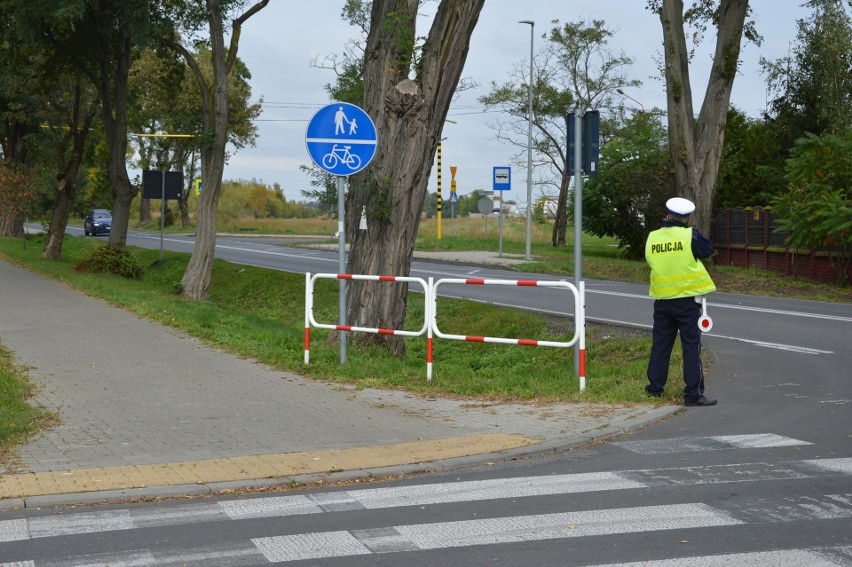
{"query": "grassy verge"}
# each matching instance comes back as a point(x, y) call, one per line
point(18, 418)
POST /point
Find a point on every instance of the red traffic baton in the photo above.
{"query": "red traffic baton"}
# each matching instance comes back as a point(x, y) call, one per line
point(705, 323)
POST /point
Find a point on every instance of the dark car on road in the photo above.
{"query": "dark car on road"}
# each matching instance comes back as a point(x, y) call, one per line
point(98, 221)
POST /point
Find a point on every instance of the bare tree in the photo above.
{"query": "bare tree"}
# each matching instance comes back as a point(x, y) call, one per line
point(575, 66)
point(409, 114)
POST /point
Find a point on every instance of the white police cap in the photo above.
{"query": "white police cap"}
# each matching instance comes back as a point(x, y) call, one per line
point(680, 207)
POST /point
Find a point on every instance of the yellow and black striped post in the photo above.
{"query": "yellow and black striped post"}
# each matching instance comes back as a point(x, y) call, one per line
point(439, 190)
point(453, 198)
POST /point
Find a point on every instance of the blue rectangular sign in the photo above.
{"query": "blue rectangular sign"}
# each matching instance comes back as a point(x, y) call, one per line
point(502, 178)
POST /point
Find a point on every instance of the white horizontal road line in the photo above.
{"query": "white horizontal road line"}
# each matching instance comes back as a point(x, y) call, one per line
point(723, 442)
point(275, 253)
point(491, 531)
point(425, 494)
point(223, 555)
point(833, 465)
point(779, 346)
point(737, 307)
point(825, 557)
point(759, 440)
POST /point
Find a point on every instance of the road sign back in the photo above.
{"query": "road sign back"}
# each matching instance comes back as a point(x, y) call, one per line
point(341, 138)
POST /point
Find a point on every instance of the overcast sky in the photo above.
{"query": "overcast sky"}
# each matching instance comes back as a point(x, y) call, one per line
point(279, 43)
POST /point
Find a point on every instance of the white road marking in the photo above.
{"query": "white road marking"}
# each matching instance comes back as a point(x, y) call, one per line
point(785, 312)
point(833, 465)
point(826, 557)
point(721, 442)
point(757, 441)
point(425, 494)
point(13, 530)
point(491, 531)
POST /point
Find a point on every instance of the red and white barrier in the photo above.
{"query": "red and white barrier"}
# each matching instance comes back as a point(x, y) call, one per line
point(430, 324)
point(579, 320)
point(311, 321)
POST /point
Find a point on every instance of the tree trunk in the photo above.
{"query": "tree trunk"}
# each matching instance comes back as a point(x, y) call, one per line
point(114, 113)
point(696, 146)
point(68, 165)
point(144, 212)
point(64, 193)
point(196, 278)
point(409, 117)
point(560, 224)
point(16, 153)
point(11, 224)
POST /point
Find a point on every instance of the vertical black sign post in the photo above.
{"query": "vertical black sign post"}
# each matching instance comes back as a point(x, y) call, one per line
point(162, 185)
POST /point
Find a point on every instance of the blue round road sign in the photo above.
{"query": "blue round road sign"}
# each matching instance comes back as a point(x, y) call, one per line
point(341, 138)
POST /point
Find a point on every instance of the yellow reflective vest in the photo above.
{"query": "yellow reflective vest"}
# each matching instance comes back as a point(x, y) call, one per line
point(674, 270)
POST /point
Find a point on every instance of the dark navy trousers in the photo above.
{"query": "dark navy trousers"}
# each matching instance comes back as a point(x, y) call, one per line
point(670, 317)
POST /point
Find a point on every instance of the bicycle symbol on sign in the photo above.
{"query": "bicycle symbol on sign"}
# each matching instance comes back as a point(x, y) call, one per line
point(342, 155)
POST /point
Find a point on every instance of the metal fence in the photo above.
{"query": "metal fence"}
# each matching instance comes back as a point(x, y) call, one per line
point(746, 237)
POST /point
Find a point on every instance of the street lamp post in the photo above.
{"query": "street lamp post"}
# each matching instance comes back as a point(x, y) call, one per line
point(528, 255)
point(624, 94)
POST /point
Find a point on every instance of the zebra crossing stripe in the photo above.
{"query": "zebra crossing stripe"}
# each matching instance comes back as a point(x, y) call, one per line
point(490, 531)
point(834, 465)
point(826, 557)
point(714, 443)
point(426, 494)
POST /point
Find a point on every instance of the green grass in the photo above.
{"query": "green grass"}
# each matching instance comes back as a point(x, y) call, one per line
point(18, 418)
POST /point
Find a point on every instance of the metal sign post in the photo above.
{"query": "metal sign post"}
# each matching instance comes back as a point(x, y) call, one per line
point(578, 215)
point(501, 181)
point(341, 139)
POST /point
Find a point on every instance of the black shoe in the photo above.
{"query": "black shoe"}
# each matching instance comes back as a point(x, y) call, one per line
point(653, 394)
point(702, 401)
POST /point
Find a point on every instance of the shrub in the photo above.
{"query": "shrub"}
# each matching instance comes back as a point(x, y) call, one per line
point(106, 259)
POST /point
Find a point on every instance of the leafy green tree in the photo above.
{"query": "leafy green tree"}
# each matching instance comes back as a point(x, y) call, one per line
point(812, 87)
point(816, 212)
point(324, 190)
point(751, 170)
point(349, 65)
point(626, 199)
point(575, 66)
point(99, 39)
point(18, 106)
point(18, 195)
point(169, 102)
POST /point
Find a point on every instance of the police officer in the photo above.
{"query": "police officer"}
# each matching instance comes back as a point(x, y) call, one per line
point(678, 280)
